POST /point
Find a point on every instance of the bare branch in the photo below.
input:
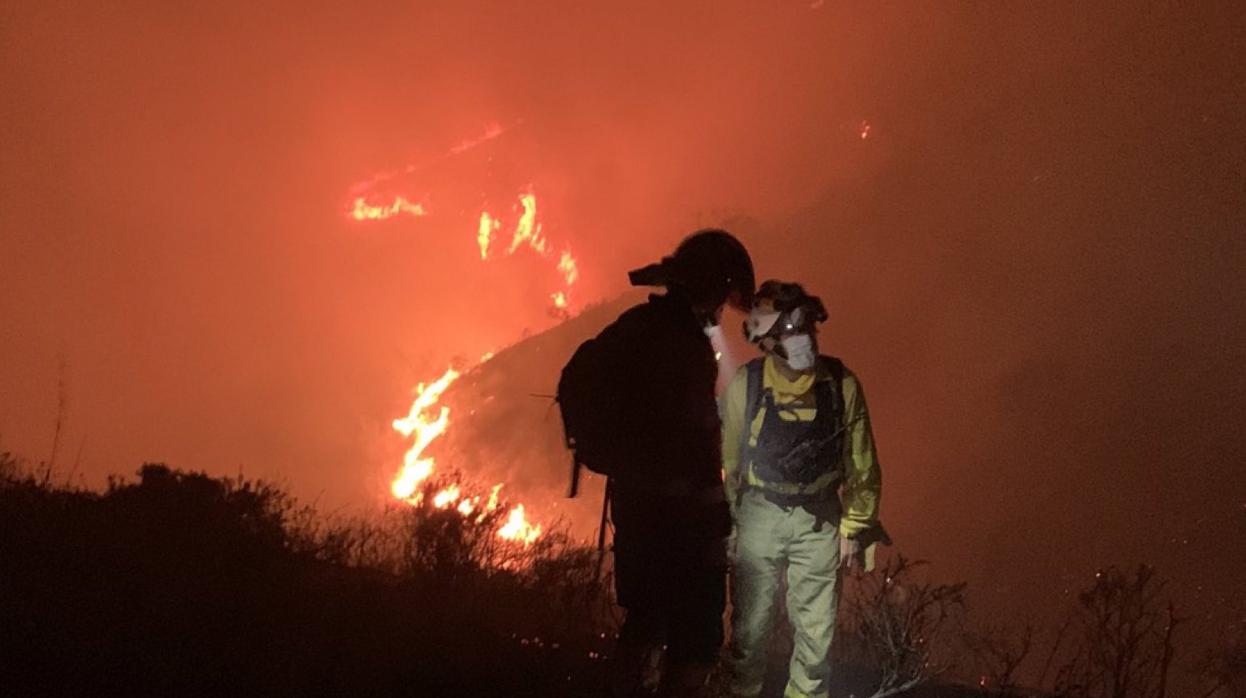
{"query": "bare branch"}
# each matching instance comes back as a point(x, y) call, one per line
point(894, 620)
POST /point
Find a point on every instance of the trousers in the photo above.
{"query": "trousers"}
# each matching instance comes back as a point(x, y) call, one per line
point(801, 542)
point(670, 573)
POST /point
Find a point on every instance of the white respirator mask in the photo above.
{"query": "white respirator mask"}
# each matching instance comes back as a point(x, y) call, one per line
point(800, 351)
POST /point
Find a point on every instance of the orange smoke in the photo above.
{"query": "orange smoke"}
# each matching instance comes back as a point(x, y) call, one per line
point(491, 132)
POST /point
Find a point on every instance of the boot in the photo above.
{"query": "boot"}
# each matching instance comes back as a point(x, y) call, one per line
point(690, 680)
point(633, 670)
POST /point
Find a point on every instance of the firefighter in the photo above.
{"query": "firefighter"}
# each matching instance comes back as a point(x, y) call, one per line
point(653, 375)
point(803, 480)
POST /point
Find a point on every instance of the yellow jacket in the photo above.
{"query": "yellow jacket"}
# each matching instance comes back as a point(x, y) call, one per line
point(859, 478)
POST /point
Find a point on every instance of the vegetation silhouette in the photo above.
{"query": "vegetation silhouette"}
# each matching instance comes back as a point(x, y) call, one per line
point(184, 584)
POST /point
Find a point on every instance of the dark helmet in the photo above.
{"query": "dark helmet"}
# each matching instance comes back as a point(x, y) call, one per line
point(712, 266)
point(782, 307)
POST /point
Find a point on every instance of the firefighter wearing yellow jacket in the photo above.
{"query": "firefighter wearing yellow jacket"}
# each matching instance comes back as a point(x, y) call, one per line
point(804, 483)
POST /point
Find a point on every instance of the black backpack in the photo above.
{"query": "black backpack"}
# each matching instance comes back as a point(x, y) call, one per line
point(590, 403)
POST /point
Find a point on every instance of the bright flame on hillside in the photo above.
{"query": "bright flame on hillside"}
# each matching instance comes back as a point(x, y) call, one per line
point(416, 468)
point(427, 419)
point(566, 265)
point(484, 233)
point(518, 529)
point(528, 230)
point(529, 233)
point(363, 211)
point(421, 424)
point(446, 497)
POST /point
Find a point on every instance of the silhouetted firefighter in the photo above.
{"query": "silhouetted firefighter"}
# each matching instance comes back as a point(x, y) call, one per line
point(638, 406)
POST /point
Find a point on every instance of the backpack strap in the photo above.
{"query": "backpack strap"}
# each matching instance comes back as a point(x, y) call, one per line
point(832, 396)
point(755, 395)
point(836, 369)
point(752, 403)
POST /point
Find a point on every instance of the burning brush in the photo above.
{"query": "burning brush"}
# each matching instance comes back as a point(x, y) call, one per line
point(424, 428)
point(428, 419)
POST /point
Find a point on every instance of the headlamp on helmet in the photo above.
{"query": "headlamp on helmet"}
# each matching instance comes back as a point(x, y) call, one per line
point(782, 309)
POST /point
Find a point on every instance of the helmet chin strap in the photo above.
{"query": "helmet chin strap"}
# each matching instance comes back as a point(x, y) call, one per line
point(770, 345)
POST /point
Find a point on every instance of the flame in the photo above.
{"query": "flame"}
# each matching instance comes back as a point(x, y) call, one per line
point(408, 481)
point(566, 265)
point(528, 230)
point(484, 233)
point(363, 211)
point(468, 505)
point(493, 498)
point(415, 468)
point(518, 529)
point(446, 497)
point(426, 419)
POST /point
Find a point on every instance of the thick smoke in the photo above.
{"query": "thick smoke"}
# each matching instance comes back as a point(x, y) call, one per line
point(1032, 258)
